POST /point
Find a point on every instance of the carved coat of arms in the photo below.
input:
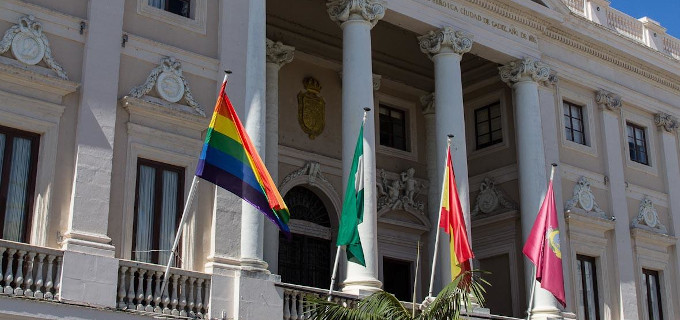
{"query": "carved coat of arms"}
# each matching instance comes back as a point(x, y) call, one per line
point(311, 108)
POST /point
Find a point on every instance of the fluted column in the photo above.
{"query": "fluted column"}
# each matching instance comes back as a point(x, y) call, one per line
point(446, 47)
point(610, 104)
point(668, 126)
point(524, 77)
point(278, 55)
point(357, 18)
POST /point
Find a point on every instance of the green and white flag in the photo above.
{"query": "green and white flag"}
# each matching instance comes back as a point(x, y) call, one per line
point(353, 206)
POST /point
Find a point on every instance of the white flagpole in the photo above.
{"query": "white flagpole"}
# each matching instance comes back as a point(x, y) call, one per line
point(533, 280)
point(415, 281)
point(185, 215)
point(436, 241)
point(337, 253)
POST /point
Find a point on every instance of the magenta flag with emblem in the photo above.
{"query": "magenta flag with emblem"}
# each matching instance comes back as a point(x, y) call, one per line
point(543, 248)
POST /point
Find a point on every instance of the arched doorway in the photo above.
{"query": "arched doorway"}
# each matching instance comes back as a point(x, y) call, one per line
point(305, 259)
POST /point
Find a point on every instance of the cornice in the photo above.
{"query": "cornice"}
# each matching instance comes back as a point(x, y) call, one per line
point(35, 77)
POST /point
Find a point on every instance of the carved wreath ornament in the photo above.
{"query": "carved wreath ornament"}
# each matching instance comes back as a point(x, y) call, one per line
point(584, 199)
point(491, 200)
point(29, 45)
point(170, 84)
point(648, 218)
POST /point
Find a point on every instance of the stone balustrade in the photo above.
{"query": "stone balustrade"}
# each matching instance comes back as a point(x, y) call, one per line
point(139, 286)
point(29, 271)
point(672, 46)
point(577, 6)
point(625, 24)
point(295, 296)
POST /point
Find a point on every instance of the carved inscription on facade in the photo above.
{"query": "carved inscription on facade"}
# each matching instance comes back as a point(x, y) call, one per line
point(498, 25)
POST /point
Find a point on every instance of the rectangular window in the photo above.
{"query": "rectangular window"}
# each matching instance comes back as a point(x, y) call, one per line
point(654, 308)
point(158, 206)
point(397, 278)
point(18, 167)
point(637, 143)
point(589, 306)
point(179, 7)
point(488, 129)
point(393, 128)
point(573, 123)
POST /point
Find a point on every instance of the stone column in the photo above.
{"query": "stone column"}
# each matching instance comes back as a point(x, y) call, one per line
point(357, 18)
point(86, 241)
point(278, 55)
point(668, 126)
point(446, 48)
point(610, 104)
point(524, 77)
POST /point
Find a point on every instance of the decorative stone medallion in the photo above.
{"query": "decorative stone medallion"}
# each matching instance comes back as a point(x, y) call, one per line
point(29, 45)
point(311, 108)
point(170, 87)
point(648, 218)
point(583, 199)
point(490, 199)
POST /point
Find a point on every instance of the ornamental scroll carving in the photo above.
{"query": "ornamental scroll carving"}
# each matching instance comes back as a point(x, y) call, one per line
point(29, 45)
point(648, 218)
point(491, 200)
point(608, 100)
point(524, 70)
point(400, 193)
point(279, 53)
point(583, 200)
point(343, 10)
point(439, 41)
point(170, 84)
point(666, 122)
point(311, 108)
point(428, 103)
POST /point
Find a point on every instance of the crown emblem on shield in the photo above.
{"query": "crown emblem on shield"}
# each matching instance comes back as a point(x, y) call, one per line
point(311, 108)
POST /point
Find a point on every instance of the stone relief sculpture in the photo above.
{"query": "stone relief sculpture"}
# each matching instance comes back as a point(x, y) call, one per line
point(400, 193)
point(170, 84)
point(29, 45)
point(491, 200)
point(311, 108)
point(584, 200)
point(648, 218)
point(312, 169)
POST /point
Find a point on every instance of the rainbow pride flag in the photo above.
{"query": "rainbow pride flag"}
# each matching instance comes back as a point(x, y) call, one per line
point(230, 161)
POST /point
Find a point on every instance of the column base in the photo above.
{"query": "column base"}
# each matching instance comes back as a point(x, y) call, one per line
point(254, 265)
point(546, 314)
point(90, 243)
point(361, 287)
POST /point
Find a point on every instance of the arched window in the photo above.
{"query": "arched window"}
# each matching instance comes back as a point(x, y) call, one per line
point(305, 259)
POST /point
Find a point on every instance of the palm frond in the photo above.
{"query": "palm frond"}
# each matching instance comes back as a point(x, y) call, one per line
point(378, 306)
point(455, 297)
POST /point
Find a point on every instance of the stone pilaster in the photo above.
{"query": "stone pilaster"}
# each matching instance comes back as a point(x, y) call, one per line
point(524, 76)
point(446, 47)
point(610, 104)
point(278, 55)
point(357, 18)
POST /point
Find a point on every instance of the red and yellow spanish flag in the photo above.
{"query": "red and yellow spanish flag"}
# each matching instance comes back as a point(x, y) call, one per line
point(453, 222)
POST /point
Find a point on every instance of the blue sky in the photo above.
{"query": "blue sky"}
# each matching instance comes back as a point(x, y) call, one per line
point(666, 12)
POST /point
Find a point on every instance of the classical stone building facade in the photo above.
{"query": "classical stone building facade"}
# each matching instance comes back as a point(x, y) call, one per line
point(104, 105)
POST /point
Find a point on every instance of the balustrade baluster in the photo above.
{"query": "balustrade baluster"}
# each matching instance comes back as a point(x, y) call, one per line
point(57, 279)
point(38, 277)
point(293, 306)
point(166, 299)
point(19, 278)
point(191, 302)
point(157, 294)
point(183, 296)
point(301, 302)
point(121, 288)
point(174, 300)
point(48, 279)
point(206, 297)
point(28, 292)
point(199, 301)
point(149, 293)
point(140, 290)
point(131, 289)
point(2, 277)
point(9, 274)
point(286, 305)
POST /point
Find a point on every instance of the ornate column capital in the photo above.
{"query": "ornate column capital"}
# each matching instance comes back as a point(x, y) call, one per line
point(526, 69)
point(445, 40)
point(377, 79)
point(428, 103)
point(279, 53)
point(666, 122)
point(607, 100)
point(345, 10)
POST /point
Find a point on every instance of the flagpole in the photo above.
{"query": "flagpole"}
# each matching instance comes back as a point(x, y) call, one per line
point(185, 215)
point(415, 281)
point(533, 282)
point(436, 241)
point(337, 253)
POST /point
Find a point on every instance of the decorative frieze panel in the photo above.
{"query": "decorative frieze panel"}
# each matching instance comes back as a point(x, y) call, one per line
point(400, 193)
point(607, 100)
point(648, 218)
point(666, 122)
point(169, 83)
point(583, 200)
point(491, 200)
point(29, 45)
point(524, 70)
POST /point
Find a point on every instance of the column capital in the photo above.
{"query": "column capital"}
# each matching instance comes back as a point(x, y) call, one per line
point(445, 40)
point(377, 80)
point(526, 69)
point(342, 11)
point(279, 53)
point(607, 100)
point(666, 122)
point(428, 103)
